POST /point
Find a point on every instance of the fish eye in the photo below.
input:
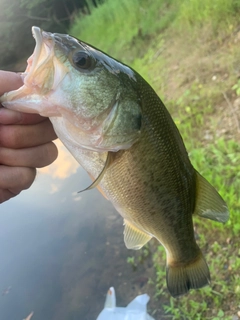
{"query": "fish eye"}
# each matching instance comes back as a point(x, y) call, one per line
point(82, 60)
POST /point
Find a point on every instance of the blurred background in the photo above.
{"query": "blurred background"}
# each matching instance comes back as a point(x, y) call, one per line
point(61, 251)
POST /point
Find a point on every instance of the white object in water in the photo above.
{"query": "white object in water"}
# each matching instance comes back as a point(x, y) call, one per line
point(135, 310)
point(29, 316)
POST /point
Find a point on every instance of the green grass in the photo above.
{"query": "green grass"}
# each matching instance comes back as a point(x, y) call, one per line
point(153, 37)
point(223, 295)
point(215, 14)
point(116, 25)
point(120, 27)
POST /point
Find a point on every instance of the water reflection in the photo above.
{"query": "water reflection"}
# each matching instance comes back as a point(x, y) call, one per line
point(61, 251)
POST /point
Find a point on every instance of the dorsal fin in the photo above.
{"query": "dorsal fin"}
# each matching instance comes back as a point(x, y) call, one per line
point(209, 203)
point(101, 174)
point(133, 237)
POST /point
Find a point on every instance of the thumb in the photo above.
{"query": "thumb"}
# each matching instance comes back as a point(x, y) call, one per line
point(9, 81)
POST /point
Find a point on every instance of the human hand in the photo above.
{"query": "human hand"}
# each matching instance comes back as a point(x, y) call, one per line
point(25, 143)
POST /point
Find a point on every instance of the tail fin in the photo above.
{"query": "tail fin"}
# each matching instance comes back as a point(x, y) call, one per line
point(183, 277)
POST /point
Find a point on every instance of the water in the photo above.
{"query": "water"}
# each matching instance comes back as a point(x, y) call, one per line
point(61, 251)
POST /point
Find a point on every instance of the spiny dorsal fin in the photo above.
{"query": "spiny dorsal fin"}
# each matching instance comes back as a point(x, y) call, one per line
point(133, 237)
point(101, 174)
point(209, 203)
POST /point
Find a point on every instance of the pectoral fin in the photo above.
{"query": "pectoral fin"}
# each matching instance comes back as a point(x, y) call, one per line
point(95, 183)
point(133, 237)
point(98, 187)
point(209, 203)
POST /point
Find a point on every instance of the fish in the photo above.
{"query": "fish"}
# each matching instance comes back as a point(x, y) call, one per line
point(121, 133)
point(135, 310)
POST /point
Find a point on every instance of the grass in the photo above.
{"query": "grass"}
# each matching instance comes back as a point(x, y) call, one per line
point(216, 14)
point(122, 24)
point(189, 51)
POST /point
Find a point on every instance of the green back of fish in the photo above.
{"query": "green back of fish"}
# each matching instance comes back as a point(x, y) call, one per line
point(153, 183)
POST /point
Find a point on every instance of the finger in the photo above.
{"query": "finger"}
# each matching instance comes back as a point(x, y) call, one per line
point(20, 136)
point(15, 117)
point(9, 81)
point(36, 157)
point(16, 179)
point(6, 194)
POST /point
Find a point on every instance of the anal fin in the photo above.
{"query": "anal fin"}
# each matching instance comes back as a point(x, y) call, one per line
point(209, 203)
point(133, 237)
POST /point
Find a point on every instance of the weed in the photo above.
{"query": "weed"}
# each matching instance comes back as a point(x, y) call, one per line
point(194, 14)
point(236, 87)
point(132, 262)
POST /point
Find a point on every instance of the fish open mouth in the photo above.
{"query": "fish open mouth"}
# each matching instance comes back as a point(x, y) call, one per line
point(42, 75)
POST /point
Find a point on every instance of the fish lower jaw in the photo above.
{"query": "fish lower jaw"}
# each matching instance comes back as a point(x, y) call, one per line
point(15, 100)
point(20, 106)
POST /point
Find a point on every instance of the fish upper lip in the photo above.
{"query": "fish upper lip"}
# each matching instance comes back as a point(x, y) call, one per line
point(33, 59)
point(37, 34)
point(42, 48)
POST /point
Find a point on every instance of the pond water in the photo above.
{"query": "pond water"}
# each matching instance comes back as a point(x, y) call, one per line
point(61, 250)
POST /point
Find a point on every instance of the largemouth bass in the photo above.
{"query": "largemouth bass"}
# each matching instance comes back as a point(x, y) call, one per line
point(119, 130)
